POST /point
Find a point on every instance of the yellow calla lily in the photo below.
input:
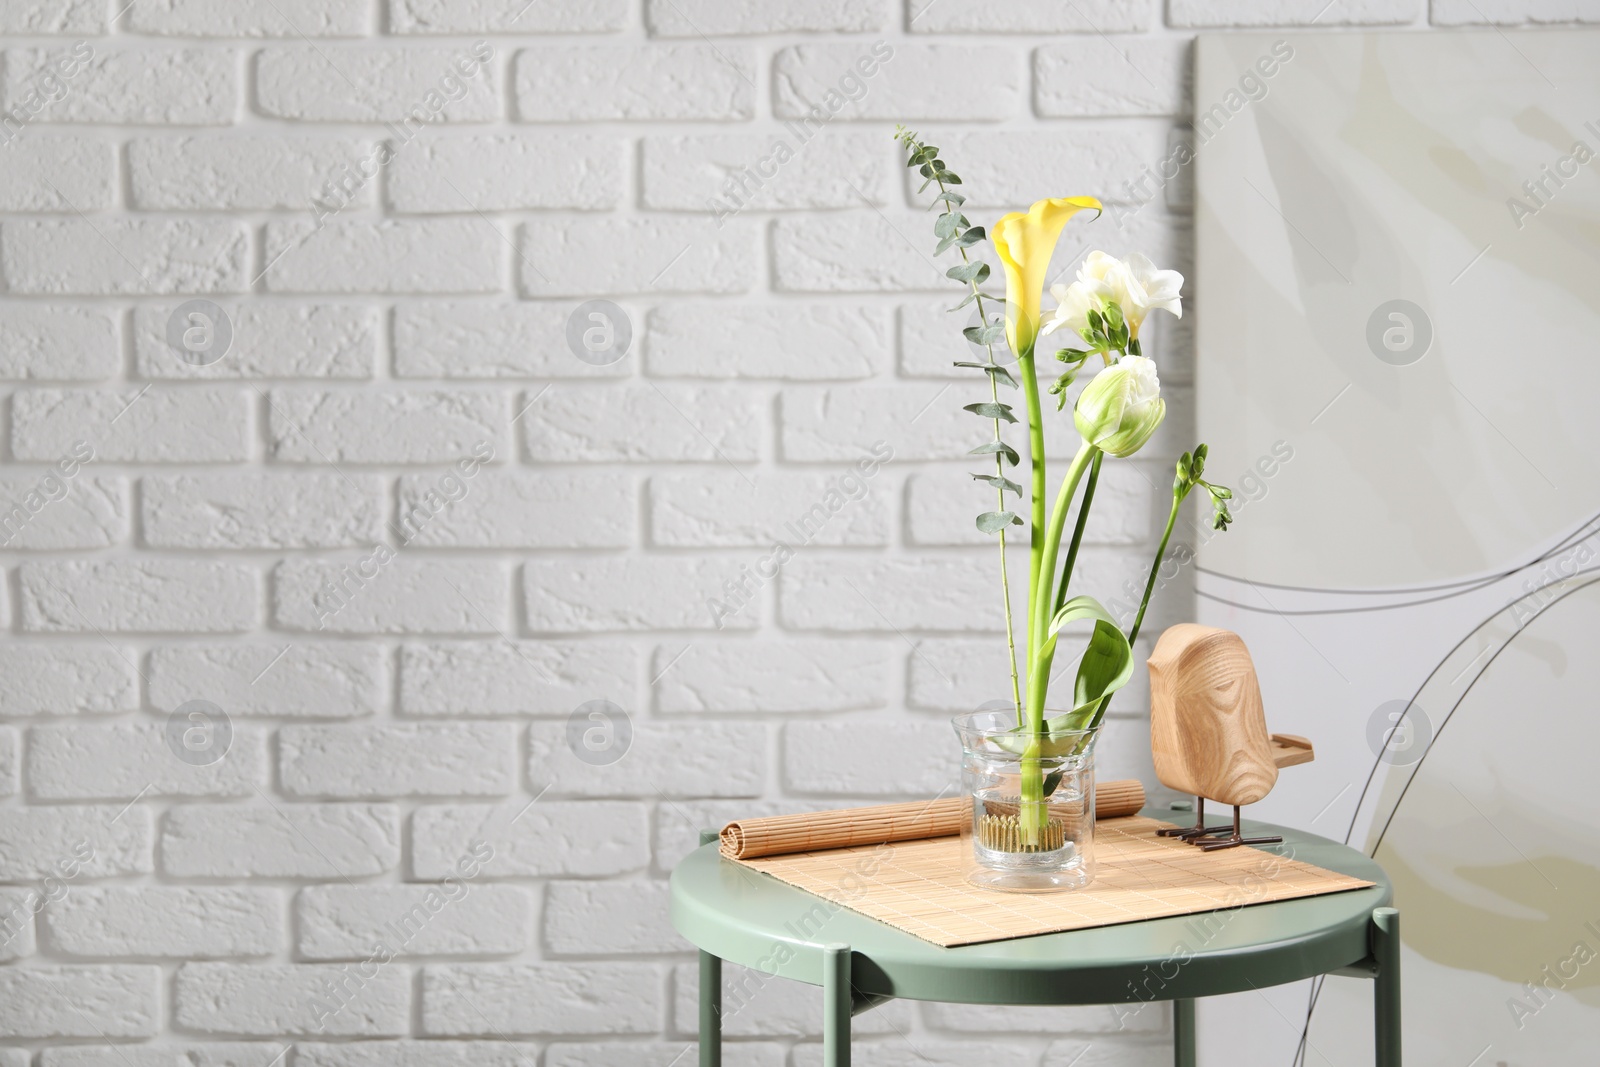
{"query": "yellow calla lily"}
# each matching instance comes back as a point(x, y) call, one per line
point(1025, 242)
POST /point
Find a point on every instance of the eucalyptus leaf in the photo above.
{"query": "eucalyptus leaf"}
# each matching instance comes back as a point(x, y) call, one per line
point(990, 410)
point(1000, 447)
point(967, 272)
point(995, 521)
point(971, 237)
point(947, 225)
point(1000, 482)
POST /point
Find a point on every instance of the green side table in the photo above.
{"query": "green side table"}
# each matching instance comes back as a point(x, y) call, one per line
point(730, 912)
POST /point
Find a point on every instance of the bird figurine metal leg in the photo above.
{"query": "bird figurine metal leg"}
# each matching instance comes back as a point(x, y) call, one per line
point(1236, 839)
point(1198, 830)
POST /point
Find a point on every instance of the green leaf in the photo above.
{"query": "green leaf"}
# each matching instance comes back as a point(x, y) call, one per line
point(1000, 482)
point(1052, 780)
point(926, 170)
point(1107, 665)
point(953, 199)
point(949, 177)
point(1000, 447)
point(995, 521)
point(948, 224)
point(971, 237)
point(990, 410)
point(995, 371)
point(968, 272)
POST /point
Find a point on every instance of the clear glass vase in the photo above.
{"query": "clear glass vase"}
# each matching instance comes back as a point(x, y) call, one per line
point(1032, 847)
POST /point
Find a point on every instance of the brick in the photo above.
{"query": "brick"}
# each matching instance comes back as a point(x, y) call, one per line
point(124, 760)
point(109, 257)
point(269, 341)
point(508, 172)
point(756, 1003)
point(293, 681)
point(599, 594)
point(165, 921)
point(49, 173)
point(405, 596)
point(257, 999)
point(251, 18)
point(698, 18)
point(643, 423)
point(505, 16)
point(598, 83)
point(661, 1053)
point(857, 253)
point(402, 595)
point(139, 596)
point(93, 513)
point(788, 507)
point(132, 426)
point(229, 172)
point(537, 998)
point(385, 256)
point(1027, 16)
point(49, 1002)
point(959, 675)
point(435, 340)
point(579, 839)
point(418, 1053)
point(18, 938)
point(941, 508)
point(793, 342)
point(100, 841)
point(560, 257)
point(520, 509)
point(136, 85)
point(609, 919)
point(280, 841)
point(789, 675)
point(412, 760)
point(931, 342)
point(346, 922)
point(723, 759)
point(908, 81)
point(930, 593)
point(1505, 13)
point(727, 173)
point(511, 678)
point(211, 1054)
point(1112, 76)
point(10, 747)
point(892, 423)
point(310, 83)
point(261, 511)
point(55, 679)
point(366, 426)
point(52, 16)
point(58, 342)
point(820, 757)
point(1232, 13)
point(1002, 169)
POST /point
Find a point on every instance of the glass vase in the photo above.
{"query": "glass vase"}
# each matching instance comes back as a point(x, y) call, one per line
point(1050, 846)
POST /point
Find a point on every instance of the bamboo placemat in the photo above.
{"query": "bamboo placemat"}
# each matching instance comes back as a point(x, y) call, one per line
point(920, 886)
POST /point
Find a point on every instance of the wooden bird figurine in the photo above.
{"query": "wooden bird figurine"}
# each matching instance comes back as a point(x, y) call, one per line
point(1208, 730)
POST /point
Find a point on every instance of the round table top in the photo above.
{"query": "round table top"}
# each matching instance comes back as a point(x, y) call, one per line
point(749, 918)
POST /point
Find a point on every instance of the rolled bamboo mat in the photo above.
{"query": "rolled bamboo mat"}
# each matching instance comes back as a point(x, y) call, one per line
point(780, 835)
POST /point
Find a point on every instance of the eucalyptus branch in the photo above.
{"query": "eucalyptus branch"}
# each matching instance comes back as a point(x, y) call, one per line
point(954, 231)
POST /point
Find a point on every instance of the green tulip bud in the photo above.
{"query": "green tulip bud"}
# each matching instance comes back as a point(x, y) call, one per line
point(1121, 408)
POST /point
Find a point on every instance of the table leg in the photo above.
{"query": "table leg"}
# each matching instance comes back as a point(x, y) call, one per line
point(710, 1010)
point(1183, 1049)
point(836, 1006)
point(1386, 987)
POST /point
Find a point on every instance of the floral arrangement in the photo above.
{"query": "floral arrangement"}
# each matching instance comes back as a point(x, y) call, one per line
point(1099, 314)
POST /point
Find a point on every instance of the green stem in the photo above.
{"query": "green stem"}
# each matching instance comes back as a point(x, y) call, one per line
point(1077, 532)
point(1178, 495)
point(1030, 392)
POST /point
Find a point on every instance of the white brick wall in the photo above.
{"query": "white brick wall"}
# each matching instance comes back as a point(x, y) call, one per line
point(397, 221)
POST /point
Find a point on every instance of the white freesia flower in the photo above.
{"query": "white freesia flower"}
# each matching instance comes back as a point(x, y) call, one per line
point(1136, 285)
point(1121, 407)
